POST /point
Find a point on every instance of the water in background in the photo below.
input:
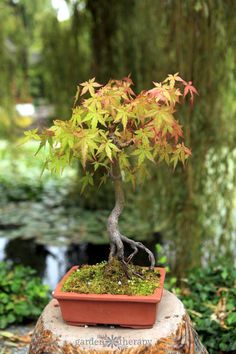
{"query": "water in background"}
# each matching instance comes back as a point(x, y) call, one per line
point(52, 262)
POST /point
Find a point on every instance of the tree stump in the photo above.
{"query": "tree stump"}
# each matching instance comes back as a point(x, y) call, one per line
point(172, 333)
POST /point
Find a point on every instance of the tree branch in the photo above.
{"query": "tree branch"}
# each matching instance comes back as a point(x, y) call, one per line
point(119, 144)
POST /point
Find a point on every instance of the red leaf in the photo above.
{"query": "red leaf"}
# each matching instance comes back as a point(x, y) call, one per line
point(177, 131)
point(157, 93)
point(189, 88)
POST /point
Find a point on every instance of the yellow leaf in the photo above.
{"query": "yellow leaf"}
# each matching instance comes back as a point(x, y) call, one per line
point(108, 151)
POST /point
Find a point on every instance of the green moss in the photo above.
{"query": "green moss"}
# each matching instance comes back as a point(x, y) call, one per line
point(106, 278)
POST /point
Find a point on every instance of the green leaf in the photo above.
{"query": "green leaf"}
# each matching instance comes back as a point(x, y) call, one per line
point(86, 180)
point(231, 319)
point(114, 123)
point(41, 145)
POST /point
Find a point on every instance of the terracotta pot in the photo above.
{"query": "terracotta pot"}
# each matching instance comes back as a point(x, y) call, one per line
point(123, 310)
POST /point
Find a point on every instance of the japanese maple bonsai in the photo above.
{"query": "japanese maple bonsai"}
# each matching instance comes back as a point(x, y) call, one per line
point(116, 134)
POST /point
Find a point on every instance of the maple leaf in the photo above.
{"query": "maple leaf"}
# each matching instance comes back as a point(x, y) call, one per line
point(85, 181)
point(186, 150)
point(128, 90)
point(103, 180)
point(157, 93)
point(108, 147)
point(182, 152)
point(95, 116)
point(123, 159)
point(157, 84)
point(88, 86)
point(98, 164)
point(115, 124)
point(127, 82)
point(165, 154)
point(122, 115)
point(161, 93)
point(189, 88)
point(128, 79)
point(172, 78)
point(31, 134)
point(177, 94)
point(142, 153)
point(77, 114)
point(177, 131)
point(174, 160)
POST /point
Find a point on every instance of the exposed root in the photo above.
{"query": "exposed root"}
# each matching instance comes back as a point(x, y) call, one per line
point(126, 269)
point(117, 251)
point(135, 245)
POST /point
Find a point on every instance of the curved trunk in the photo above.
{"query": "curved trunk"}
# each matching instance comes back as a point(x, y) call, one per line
point(117, 247)
point(116, 238)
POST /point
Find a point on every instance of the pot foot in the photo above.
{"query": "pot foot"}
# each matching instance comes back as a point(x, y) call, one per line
point(79, 324)
point(136, 326)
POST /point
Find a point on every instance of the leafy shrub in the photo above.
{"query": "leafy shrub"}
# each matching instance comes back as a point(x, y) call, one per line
point(22, 295)
point(209, 296)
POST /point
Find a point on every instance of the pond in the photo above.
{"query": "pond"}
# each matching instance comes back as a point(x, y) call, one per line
point(51, 262)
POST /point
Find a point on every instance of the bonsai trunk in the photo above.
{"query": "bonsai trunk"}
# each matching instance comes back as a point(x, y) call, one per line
point(116, 238)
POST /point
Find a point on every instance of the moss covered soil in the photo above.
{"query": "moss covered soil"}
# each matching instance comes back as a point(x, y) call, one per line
point(111, 278)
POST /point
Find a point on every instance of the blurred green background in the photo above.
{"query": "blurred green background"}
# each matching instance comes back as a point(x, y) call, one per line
point(46, 49)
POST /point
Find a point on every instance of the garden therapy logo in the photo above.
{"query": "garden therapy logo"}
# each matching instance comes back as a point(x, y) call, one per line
point(113, 342)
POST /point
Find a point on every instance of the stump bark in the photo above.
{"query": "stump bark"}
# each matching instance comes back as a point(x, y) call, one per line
point(172, 333)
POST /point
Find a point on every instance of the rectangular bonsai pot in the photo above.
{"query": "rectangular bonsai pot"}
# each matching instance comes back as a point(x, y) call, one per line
point(123, 310)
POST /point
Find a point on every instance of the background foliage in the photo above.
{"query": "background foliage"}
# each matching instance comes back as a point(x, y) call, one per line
point(209, 295)
point(23, 296)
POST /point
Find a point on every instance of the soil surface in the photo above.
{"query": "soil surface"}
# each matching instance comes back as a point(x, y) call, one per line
point(112, 278)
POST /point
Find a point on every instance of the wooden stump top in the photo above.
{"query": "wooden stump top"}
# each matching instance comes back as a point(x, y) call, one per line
point(172, 332)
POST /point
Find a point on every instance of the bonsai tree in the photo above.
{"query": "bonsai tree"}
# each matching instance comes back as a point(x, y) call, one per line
point(116, 134)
